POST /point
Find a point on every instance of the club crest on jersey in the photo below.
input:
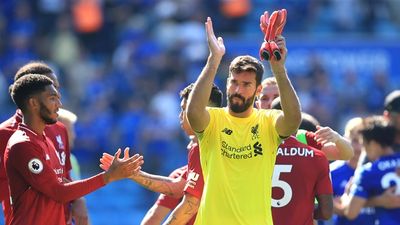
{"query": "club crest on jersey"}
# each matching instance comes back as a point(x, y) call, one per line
point(35, 166)
point(254, 131)
point(60, 142)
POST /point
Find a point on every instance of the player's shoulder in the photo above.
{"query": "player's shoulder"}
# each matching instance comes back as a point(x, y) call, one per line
point(319, 157)
point(217, 114)
point(367, 168)
point(292, 141)
point(267, 112)
point(9, 125)
point(19, 140)
point(194, 150)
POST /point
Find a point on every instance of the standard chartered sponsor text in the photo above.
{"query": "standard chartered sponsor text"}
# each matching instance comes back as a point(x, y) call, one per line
point(243, 152)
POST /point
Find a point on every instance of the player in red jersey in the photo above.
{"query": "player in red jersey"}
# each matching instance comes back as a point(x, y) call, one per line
point(301, 174)
point(37, 191)
point(59, 137)
point(335, 146)
point(78, 210)
point(185, 212)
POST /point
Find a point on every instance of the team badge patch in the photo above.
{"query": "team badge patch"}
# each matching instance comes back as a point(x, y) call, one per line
point(35, 166)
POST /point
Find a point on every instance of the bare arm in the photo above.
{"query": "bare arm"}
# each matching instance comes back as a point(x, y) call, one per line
point(338, 206)
point(172, 187)
point(324, 209)
point(335, 146)
point(196, 110)
point(387, 199)
point(353, 207)
point(289, 121)
point(184, 211)
point(166, 185)
point(155, 215)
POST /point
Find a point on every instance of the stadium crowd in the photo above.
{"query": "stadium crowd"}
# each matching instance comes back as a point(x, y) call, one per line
point(122, 63)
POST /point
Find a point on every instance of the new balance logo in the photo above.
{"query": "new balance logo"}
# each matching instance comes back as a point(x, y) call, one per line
point(227, 131)
point(257, 149)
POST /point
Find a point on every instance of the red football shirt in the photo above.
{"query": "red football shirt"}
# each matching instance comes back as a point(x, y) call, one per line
point(37, 194)
point(310, 137)
point(301, 172)
point(7, 128)
point(195, 173)
point(59, 137)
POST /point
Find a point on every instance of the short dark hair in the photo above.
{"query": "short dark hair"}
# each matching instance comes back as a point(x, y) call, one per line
point(26, 86)
point(308, 122)
point(33, 67)
point(215, 99)
point(376, 128)
point(276, 103)
point(247, 63)
point(392, 101)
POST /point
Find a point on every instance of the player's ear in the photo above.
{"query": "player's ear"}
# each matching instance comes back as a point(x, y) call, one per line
point(257, 103)
point(258, 90)
point(33, 102)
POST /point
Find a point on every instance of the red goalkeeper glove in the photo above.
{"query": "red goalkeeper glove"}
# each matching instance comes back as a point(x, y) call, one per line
point(271, 27)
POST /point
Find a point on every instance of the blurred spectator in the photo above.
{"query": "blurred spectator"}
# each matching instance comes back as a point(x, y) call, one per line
point(65, 46)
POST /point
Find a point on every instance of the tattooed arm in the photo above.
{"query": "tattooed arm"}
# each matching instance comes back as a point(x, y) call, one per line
point(169, 186)
point(184, 211)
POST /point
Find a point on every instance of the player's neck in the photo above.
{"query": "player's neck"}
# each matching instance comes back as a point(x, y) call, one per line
point(244, 114)
point(387, 151)
point(34, 123)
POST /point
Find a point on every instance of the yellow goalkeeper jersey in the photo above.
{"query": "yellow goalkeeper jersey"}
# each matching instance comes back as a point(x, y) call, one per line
point(237, 158)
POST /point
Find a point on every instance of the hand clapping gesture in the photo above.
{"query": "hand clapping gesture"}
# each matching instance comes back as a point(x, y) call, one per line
point(117, 168)
point(216, 45)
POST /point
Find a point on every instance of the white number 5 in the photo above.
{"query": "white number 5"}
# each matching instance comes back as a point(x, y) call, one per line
point(287, 190)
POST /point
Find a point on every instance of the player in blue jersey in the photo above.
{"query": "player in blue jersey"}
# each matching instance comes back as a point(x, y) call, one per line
point(373, 178)
point(341, 173)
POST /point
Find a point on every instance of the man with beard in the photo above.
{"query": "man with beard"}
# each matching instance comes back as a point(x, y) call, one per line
point(59, 137)
point(173, 187)
point(37, 190)
point(238, 143)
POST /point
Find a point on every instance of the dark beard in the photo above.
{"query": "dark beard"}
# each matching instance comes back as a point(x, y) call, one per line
point(239, 108)
point(44, 114)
